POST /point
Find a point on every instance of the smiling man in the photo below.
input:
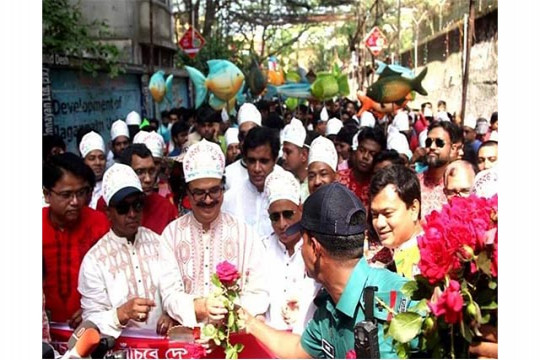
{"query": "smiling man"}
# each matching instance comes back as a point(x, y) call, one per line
point(114, 296)
point(92, 148)
point(195, 243)
point(70, 228)
point(395, 215)
point(322, 163)
point(291, 291)
point(247, 200)
point(295, 154)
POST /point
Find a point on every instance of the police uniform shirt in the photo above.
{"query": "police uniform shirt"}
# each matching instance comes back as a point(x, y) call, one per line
point(330, 334)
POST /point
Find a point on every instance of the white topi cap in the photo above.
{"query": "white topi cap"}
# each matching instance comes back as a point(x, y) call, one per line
point(203, 160)
point(91, 141)
point(282, 185)
point(401, 121)
point(324, 114)
point(295, 134)
point(470, 121)
point(249, 112)
point(333, 126)
point(367, 119)
point(153, 141)
point(323, 149)
point(119, 128)
point(133, 118)
point(397, 141)
point(120, 181)
point(231, 136)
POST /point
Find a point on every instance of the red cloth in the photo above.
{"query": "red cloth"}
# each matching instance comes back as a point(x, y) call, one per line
point(158, 212)
point(346, 177)
point(63, 252)
point(421, 124)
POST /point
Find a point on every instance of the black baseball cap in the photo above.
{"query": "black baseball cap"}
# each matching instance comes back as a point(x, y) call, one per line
point(330, 209)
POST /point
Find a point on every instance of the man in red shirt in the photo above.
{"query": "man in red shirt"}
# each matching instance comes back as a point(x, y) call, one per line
point(371, 141)
point(70, 229)
point(158, 212)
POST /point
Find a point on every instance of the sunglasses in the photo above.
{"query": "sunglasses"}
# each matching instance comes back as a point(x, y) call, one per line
point(122, 208)
point(439, 142)
point(287, 214)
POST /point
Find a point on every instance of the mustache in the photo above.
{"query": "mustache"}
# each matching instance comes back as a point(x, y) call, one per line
point(205, 205)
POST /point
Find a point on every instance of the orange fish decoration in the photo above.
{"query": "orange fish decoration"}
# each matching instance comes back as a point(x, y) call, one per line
point(276, 78)
point(368, 104)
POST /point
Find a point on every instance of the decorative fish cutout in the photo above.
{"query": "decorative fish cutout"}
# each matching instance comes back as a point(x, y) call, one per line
point(223, 82)
point(291, 103)
point(299, 91)
point(169, 88)
point(327, 85)
point(403, 71)
point(392, 87)
point(256, 80)
point(157, 86)
point(292, 77)
point(379, 109)
point(276, 77)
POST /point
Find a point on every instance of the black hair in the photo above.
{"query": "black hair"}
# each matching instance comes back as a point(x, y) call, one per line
point(165, 114)
point(310, 136)
point(423, 106)
point(494, 118)
point(403, 178)
point(375, 134)
point(179, 127)
point(303, 108)
point(133, 130)
point(205, 114)
point(263, 105)
point(155, 121)
point(58, 165)
point(388, 155)
point(274, 121)
point(134, 149)
point(441, 102)
point(453, 130)
point(50, 142)
point(261, 135)
point(346, 135)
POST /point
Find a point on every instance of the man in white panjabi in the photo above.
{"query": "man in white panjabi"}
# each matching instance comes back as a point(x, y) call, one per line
point(291, 290)
point(92, 149)
point(119, 276)
point(194, 244)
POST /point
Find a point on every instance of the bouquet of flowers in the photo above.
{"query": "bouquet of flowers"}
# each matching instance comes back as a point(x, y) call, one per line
point(456, 289)
point(227, 290)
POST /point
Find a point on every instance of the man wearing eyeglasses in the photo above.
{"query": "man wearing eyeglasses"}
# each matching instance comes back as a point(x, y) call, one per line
point(157, 211)
point(195, 243)
point(291, 291)
point(119, 276)
point(458, 179)
point(70, 228)
point(441, 143)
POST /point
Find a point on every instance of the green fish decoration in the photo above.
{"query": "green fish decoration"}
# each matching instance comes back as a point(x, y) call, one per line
point(256, 80)
point(292, 77)
point(291, 103)
point(327, 85)
point(391, 87)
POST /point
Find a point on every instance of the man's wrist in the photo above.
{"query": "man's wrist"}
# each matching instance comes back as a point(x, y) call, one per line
point(121, 317)
point(201, 311)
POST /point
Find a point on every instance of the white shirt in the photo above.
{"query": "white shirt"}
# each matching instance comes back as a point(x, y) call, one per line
point(114, 271)
point(249, 205)
point(235, 174)
point(288, 281)
point(96, 194)
point(189, 256)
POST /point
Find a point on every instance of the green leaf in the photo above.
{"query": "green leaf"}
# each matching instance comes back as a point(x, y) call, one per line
point(239, 347)
point(420, 307)
point(465, 332)
point(215, 280)
point(209, 330)
point(221, 334)
point(217, 341)
point(491, 306)
point(492, 285)
point(484, 263)
point(409, 288)
point(230, 320)
point(485, 319)
point(405, 326)
point(402, 350)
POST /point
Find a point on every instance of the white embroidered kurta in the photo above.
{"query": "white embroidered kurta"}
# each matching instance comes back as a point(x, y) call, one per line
point(115, 271)
point(189, 256)
point(250, 206)
point(235, 174)
point(96, 194)
point(288, 281)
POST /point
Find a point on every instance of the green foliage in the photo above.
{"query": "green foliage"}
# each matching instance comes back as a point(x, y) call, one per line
point(405, 326)
point(65, 34)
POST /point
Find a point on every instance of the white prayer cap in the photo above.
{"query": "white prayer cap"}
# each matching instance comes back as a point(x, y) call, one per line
point(398, 142)
point(323, 149)
point(282, 185)
point(295, 134)
point(401, 121)
point(324, 114)
point(485, 183)
point(422, 137)
point(494, 136)
point(119, 128)
point(231, 136)
point(442, 116)
point(224, 115)
point(428, 112)
point(120, 181)
point(354, 145)
point(295, 121)
point(203, 160)
point(470, 121)
point(333, 126)
point(367, 119)
point(91, 141)
point(249, 112)
point(133, 118)
point(153, 141)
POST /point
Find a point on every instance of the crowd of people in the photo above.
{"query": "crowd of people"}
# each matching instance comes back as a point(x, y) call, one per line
point(312, 206)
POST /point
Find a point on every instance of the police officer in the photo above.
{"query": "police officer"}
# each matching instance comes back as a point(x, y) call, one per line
point(333, 227)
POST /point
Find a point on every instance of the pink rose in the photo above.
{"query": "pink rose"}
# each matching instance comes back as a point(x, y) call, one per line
point(227, 272)
point(450, 303)
point(351, 354)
